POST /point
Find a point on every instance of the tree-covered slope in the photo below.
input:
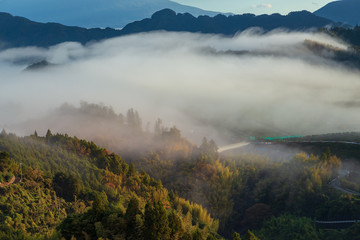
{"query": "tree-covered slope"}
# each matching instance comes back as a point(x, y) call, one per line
point(73, 188)
point(348, 35)
point(255, 192)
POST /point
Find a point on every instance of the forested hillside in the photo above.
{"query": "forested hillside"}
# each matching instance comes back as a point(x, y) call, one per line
point(255, 84)
point(255, 192)
point(245, 191)
point(71, 188)
point(349, 35)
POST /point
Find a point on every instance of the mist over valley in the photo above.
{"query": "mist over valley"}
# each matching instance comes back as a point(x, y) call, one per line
point(180, 127)
point(232, 88)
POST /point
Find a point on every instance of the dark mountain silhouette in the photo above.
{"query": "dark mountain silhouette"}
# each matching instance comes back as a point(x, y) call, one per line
point(20, 32)
point(93, 13)
point(345, 11)
point(228, 25)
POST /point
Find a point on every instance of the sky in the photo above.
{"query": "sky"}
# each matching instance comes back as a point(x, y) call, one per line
point(256, 6)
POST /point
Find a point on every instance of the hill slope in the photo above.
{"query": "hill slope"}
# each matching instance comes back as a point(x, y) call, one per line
point(92, 13)
point(345, 11)
point(93, 194)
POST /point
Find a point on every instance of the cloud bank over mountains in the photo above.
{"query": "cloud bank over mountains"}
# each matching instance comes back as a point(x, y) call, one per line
point(206, 85)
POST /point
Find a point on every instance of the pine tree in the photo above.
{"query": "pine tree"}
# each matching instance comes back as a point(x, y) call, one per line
point(236, 236)
point(48, 134)
point(131, 171)
point(326, 155)
point(211, 237)
point(4, 160)
point(133, 120)
point(131, 218)
point(101, 202)
point(175, 225)
point(149, 232)
point(158, 128)
point(250, 236)
point(156, 222)
point(204, 145)
point(197, 235)
point(3, 133)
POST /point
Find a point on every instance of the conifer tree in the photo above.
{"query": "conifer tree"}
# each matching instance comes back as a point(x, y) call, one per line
point(131, 218)
point(48, 134)
point(175, 225)
point(101, 202)
point(236, 236)
point(3, 133)
point(197, 235)
point(250, 236)
point(156, 222)
point(133, 120)
point(149, 227)
point(131, 171)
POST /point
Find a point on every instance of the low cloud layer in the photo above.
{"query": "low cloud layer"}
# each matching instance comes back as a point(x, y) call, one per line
point(206, 85)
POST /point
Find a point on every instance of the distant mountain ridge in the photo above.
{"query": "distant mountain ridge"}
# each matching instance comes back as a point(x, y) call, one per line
point(93, 13)
point(345, 11)
point(21, 32)
point(168, 20)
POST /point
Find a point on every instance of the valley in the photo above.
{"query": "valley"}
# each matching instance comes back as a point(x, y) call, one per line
point(152, 120)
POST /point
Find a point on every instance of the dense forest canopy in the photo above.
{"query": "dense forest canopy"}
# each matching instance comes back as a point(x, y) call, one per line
point(83, 190)
point(73, 188)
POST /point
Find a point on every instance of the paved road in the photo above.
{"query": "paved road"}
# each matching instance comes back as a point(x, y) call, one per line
point(335, 183)
point(345, 142)
point(337, 222)
point(243, 144)
point(232, 146)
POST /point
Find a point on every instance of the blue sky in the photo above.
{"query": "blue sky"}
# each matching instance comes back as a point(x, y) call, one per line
point(256, 6)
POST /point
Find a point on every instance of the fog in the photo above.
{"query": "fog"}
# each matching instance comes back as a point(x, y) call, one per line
point(207, 85)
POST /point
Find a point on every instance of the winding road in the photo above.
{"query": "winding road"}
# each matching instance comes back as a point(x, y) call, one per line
point(243, 144)
point(336, 222)
point(345, 142)
point(335, 183)
point(232, 146)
